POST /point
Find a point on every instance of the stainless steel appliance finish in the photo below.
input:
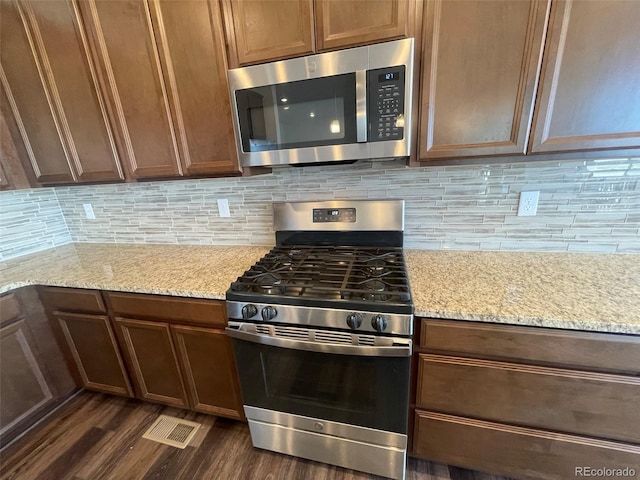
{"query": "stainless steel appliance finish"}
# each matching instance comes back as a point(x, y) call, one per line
point(372, 215)
point(367, 105)
point(321, 340)
point(336, 318)
point(321, 329)
point(364, 449)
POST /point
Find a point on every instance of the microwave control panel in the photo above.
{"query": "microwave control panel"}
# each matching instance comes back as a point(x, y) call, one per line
point(386, 103)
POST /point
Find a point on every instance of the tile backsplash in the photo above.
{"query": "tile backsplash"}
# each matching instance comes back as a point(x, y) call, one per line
point(584, 205)
point(30, 220)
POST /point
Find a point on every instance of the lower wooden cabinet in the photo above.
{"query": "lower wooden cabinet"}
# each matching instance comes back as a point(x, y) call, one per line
point(23, 388)
point(583, 403)
point(526, 402)
point(206, 358)
point(177, 351)
point(33, 376)
point(164, 349)
point(522, 453)
point(95, 353)
point(152, 361)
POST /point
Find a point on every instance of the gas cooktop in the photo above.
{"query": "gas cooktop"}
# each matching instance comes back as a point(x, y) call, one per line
point(370, 278)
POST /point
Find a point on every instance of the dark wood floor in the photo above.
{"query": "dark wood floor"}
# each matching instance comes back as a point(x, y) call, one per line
point(98, 437)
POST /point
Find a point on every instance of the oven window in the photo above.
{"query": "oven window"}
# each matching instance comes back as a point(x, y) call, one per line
point(306, 113)
point(371, 392)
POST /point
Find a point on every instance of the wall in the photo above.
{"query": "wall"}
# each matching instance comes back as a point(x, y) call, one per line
point(585, 206)
point(30, 220)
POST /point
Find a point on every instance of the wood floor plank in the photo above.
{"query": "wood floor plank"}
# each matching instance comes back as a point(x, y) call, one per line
point(69, 427)
point(66, 464)
point(126, 449)
point(99, 437)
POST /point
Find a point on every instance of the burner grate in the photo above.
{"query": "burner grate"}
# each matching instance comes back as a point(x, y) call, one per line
point(370, 274)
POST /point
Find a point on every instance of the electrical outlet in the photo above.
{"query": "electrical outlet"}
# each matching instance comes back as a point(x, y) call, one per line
point(528, 205)
point(88, 211)
point(223, 207)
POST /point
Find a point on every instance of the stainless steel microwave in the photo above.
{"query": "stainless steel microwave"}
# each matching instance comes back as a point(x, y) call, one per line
point(346, 105)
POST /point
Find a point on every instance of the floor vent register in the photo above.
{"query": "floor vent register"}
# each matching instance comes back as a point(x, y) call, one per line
point(172, 431)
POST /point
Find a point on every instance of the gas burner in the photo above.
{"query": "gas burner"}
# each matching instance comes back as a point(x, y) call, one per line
point(269, 280)
point(375, 285)
point(296, 253)
point(280, 261)
point(375, 264)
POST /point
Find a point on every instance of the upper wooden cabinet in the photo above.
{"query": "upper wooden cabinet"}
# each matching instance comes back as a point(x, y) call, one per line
point(479, 70)
point(51, 88)
point(191, 40)
point(590, 85)
point(259, 31)
point(100, 91)
point(484, 66)
point(342, 23)
point(164, 71)
point(123, 37)
point(12, 172)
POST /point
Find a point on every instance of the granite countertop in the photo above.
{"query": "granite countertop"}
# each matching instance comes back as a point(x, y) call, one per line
point(575, 291)
point(181, 270)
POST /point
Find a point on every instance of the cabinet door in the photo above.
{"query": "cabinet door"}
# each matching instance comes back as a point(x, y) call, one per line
point(62, 45)
point(590, 89)
point(480, 64)
point(152, 360)
point(29, 101)
point(259, 31)
point(14, 175)
point(189, 35)
point(122, 36)
point(66, 77)
point(345, 23)
point(95, 352)
point(23, 387)
point(206, 358)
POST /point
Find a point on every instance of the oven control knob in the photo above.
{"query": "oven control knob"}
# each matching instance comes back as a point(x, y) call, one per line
point(249, 311)
point(379, 323)
point(354, 320)
point(268, 313)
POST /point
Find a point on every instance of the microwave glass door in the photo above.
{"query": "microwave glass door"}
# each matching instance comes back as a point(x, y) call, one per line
point(367, 391)
point(306, 113)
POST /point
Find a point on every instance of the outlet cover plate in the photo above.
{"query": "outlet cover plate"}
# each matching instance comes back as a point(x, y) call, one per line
point(223, 208)
point(528, 206)
point(88, 211)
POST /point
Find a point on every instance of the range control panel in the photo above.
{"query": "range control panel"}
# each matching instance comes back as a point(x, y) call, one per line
point(333, 215)
point(386, 103)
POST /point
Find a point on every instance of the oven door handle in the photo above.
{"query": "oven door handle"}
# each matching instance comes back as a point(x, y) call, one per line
point(402, 349)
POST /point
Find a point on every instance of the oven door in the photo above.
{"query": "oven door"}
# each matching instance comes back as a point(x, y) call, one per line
point(359, 385)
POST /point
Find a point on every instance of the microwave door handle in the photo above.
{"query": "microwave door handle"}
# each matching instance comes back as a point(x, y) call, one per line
point(361, 106)
point(402, 350)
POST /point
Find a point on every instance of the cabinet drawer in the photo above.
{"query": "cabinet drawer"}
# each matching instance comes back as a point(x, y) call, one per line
point(597, 351)
point(513, 451)
point(72, 299)
point(9, 307)
point(169, 309)
point(594, 404)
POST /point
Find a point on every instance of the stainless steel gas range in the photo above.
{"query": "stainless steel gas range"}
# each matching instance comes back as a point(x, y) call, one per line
point(321, 330)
